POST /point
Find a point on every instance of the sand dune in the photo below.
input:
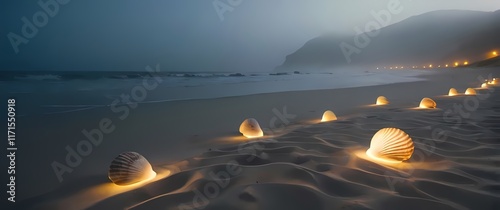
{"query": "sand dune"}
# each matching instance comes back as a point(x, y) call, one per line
point(323, 166)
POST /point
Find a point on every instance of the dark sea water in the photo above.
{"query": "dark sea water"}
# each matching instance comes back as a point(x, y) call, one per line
point(60, 92)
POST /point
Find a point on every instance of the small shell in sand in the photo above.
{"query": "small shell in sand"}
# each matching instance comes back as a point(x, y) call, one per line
point(382, 100)
point(391, 144)
point(470, 91)
point(428, 103)
point(129, 168)
point(250, 128)
point(328, 116)
point(453, 92)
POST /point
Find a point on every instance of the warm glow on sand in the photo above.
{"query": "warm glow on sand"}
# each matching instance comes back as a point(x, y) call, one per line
point(427, 103)
point(446, 65)
point(250, 128)
point(382, 100)
point(148, 176)
point(494, 53)
point(94, 194)
point(466, 63)
point(456, 64)
point(430, 66)
point(328, 116)
point(453, 92)
point(398, 165)
point(381, 160)
point(391, 145)
point(470, 91)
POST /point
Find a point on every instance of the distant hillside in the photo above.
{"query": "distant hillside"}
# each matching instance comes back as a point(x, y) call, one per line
point(434, 37)
point(492, 62)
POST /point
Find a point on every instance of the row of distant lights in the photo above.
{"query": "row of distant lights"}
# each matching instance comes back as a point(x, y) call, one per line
point(456, 64)
point(429, 66)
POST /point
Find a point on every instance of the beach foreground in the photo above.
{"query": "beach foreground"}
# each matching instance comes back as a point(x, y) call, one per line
point(203, 163)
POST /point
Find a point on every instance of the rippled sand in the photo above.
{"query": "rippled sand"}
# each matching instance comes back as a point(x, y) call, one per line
point(323, 166)
point(456, 165)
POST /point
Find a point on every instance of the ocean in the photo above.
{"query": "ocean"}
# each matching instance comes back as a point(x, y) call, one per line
point(62, 92)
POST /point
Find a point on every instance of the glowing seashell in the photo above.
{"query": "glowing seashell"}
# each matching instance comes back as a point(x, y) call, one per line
point(391, 144)
point(250, 128)
point(428, 103)
point(453, 92)
point(470, 91)
point(328, 116)
point(129, 168)
point(484, 85)
point(382, 100)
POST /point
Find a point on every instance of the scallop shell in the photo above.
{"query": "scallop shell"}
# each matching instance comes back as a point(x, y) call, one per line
point(382, 100)
point(484, 85)
point(470, 91)
point(129, 168)
point(391, 144)
point(428, 103)
point(250, 128)
point(328, 116)
point(453, 92)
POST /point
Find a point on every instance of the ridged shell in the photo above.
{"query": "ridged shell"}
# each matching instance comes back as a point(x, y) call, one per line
point(470, 91)
point(484, 85)
point(453, 92)
point(391, 144)
point(382, 100)
point(428, 103)
point(129, 168)
point(328, 116)
point(250, 128)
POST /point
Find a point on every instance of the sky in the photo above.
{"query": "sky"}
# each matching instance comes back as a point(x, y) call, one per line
point(183, 35)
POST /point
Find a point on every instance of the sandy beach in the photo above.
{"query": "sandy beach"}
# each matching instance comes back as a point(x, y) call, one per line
point(204, 163)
